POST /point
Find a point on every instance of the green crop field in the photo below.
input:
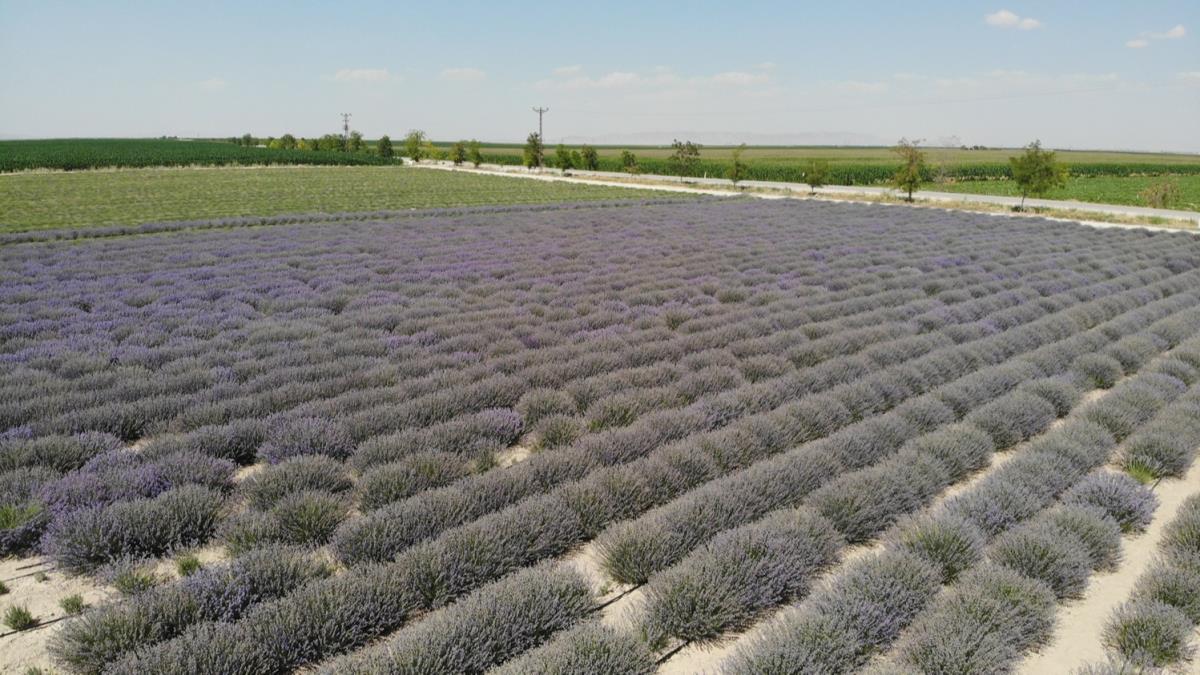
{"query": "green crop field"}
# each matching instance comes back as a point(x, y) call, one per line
point(70, 154)
point(1099, 189)
point(870, 165)
point(68, 199)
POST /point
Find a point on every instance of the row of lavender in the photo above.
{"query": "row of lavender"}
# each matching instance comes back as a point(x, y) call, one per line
point(1049, 320)
point(390, 346)
point(1041, 549)
point(726, 584)
point(88, 633)
point(1156, 627)
point(68, 361)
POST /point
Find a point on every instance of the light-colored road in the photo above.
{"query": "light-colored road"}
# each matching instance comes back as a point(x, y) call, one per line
point(724, 184)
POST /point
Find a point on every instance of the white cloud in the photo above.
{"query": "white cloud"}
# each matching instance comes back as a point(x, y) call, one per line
point(1174, 34)
point(1007, 19)
point(1143, 39)
point(1189, 75)
point(765, 65)
point(568, 70)
point(362, 75)
point(462, 74)
point(212, 84)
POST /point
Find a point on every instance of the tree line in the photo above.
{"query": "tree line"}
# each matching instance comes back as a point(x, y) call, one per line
point(1036, 171)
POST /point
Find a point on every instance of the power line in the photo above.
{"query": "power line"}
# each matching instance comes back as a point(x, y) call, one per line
point(540, 112)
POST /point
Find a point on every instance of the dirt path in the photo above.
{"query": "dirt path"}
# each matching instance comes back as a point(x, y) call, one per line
point(1076, 639)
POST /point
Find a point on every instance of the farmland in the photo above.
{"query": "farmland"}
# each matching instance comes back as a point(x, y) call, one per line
point(32, 201)
point(1100, 177)
point(73, 154)
point(585, 437)
point(1099, 189)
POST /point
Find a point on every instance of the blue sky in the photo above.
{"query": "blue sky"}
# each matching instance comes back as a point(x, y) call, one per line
point(1101, 74)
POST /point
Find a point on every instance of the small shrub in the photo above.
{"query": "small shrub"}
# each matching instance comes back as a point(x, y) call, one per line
point(1047, 554)
point(1181, 537)
point(477, 633)
point(41, 577)
point(765, 366)
point(1013, 418)
point(3, 588)
point(393, 482)
point(1178, 587)
point(131, 577)
point(995, 506)
point(1150, 633)
point(950, 544)
point(296, 474)
point(72, 604)
point(85, 539)
point(18, 617)
point(1095, 529)
point(1059, 392)
point(981, 625)
point(724, 585)
point(1097, 370)
point(589, 648)
point(961, 448)
point(879, 596)
point(538, 404)
point(307, 517)
point(187, 565)
point(556, 431)
point(1157, 454)
point(806, 642)
point(305, 436)
point(1119, 496)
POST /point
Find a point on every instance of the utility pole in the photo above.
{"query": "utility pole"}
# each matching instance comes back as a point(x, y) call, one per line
point(346, 127)
point(540, 112)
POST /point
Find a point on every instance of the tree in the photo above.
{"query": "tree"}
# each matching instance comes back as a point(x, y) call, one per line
point(576, 159)
point(332, 143)
point(1162, 194)
point(433, 152)
point(912, 169)
point(816, 175)
point(414, 145)
point(287, 142)
point(685, 157)
point(737, 169)
point(384, 146)
point(629, 163)
point(458, 154)
point(590, 159)
point(562, 157)
point(474, 152)
point(533, 151)
point(356, 144)
point(1036, 172)
point(247, 140)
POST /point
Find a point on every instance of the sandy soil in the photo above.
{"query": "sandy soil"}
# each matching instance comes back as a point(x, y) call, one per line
point(19, 651)
point(517, 453)
point(1076, 639)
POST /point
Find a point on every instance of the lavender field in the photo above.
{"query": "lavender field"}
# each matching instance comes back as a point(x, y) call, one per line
point(740, 436)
